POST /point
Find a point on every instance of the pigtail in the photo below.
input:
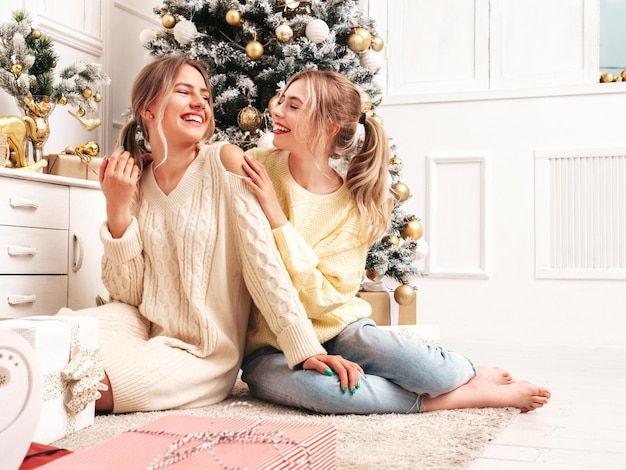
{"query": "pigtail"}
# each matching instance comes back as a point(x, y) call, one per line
point(367, 179)
point(128, 138)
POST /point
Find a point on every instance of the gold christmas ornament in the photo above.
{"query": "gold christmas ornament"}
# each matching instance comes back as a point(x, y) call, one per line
point(86, 123)
point(401, 191)
point(377, 43)
point(87, 92)
point(413, 230)
point(371, 275)
point(272, 103)
point(97, 97)
point(168, 21)
point(404, 294)
point(16, 69)
point(396, 162)
point(391, 239)
point(69, 150)
point(233, 16)
point(62, 100)
point(91, 148)
point(35, 34)
point(249, 119)
point(284, 33)
point(254, 50)
point(359, 40)
point(607, 77)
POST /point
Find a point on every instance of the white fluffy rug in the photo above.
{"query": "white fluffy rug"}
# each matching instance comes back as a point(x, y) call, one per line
point(437, 440)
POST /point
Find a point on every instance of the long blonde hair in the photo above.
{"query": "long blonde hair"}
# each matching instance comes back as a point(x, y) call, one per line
point(333, 100)
point(155, 79)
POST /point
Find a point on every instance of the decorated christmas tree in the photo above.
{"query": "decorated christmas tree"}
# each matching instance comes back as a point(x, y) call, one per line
point(252, 47)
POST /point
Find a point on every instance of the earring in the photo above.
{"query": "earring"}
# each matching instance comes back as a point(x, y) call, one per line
point(151, 116)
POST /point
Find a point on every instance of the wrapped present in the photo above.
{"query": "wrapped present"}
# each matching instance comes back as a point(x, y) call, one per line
point(66, 349)
point(74, 166)
point(184, 442)
point(385, 309)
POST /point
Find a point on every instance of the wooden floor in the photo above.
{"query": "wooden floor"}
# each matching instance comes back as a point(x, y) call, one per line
point(583, 426)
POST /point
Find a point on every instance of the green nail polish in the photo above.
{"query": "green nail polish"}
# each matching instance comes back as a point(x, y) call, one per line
point(358, 384)
point(353, 390)
point(328, 372)
point(345, 389)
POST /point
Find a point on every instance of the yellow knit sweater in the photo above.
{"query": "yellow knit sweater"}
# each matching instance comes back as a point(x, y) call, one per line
point(322, 251)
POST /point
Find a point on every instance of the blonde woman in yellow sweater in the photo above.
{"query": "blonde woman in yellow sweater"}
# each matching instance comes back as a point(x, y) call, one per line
point(323, 225)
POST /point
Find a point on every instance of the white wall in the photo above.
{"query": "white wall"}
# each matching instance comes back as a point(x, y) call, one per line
point(469, 128)
point(510, 302)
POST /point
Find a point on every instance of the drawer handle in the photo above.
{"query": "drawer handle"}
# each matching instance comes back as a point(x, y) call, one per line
point(16, 299)
point(15, 250)
point(78, 253)
point(15, 201)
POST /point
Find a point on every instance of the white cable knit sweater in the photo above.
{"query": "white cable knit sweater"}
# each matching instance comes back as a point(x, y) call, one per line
point(191, 262)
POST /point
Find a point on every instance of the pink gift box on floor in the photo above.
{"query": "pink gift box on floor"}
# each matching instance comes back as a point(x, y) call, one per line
point(197, 442)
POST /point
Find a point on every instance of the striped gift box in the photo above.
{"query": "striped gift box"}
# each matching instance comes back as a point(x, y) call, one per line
point(198, 442)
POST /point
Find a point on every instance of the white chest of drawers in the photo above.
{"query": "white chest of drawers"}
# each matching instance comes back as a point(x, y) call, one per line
point(50, 251)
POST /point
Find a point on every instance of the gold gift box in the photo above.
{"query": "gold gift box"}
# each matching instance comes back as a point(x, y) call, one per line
point(73, 166)
point(381, 308)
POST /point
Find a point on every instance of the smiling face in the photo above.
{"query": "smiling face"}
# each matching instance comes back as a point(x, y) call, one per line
point(291, 126)
point(186, 111)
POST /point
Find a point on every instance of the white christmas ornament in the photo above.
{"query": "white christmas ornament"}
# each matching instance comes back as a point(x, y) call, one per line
point(317, 31)
point(378, 81)
point(284, 33)
point(371, 61)
point(266, 141)
point(421, 249)
point(145, 36)
point(185, 31)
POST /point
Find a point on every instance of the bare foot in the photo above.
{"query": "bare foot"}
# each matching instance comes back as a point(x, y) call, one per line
point(481, 393)
point(495, 375)
point(529, 396)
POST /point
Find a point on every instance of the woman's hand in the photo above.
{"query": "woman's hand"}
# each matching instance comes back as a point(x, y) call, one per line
point(347, 371)
point(261, 185)
point(118, 178)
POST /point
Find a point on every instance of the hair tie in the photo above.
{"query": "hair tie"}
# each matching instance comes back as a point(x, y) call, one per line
point(362, 119)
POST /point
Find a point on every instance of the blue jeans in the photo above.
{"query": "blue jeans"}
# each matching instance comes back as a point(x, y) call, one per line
point(399, 373)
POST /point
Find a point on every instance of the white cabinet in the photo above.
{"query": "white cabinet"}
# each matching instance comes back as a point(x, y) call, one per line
point(50, 251)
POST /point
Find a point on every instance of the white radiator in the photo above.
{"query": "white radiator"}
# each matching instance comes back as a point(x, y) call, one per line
point(580, 210)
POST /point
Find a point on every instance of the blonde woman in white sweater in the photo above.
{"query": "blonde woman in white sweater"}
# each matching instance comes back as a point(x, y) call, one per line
point(323, 226)
point(186, 248)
